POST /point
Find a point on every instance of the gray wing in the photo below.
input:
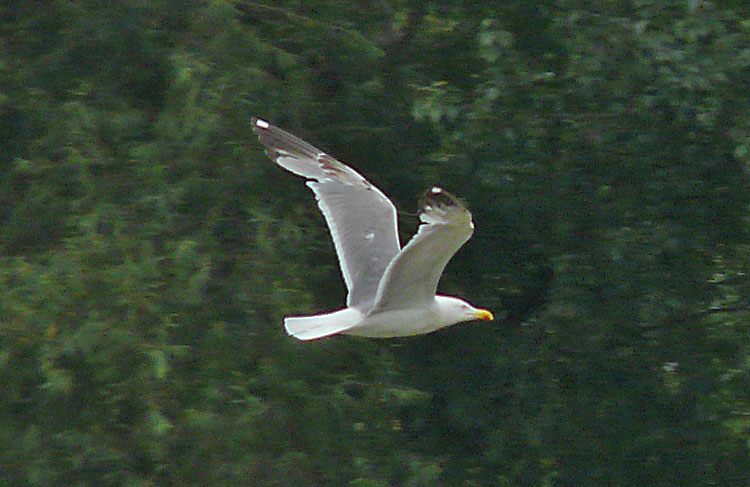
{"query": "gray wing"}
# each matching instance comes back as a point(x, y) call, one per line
point(361, 219)
point(413, 276)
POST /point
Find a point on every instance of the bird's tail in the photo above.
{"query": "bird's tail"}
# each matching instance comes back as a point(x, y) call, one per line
point(319, 326)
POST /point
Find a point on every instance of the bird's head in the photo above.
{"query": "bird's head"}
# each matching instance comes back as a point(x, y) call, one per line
point(455, 310)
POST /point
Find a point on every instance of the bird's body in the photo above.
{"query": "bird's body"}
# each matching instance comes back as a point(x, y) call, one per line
point(391, 290)
point(385, 324)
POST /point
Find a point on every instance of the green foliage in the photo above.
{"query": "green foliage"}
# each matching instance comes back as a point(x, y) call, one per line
point(149, 250)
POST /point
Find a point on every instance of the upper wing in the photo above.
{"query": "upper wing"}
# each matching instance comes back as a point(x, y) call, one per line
point(413, 276)
point(361, 219)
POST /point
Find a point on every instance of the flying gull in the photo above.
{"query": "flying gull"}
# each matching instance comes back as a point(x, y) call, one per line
point(391, 290)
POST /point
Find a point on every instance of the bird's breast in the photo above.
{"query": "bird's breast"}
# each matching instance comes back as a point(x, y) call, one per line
point(398, 323)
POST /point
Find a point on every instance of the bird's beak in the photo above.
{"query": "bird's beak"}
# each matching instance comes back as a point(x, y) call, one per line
point(483, 314)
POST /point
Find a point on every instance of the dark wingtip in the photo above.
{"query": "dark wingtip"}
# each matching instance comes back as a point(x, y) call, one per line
point(278, 141)
point(259, 124)
point(437, 198)
point(439, 206)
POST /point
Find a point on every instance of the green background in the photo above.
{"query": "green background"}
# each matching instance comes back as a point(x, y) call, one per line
point(149, 249)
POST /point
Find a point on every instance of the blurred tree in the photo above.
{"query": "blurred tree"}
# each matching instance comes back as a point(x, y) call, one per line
point(148, 249)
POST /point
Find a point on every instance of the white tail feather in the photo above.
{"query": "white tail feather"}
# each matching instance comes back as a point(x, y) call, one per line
point(319, 326)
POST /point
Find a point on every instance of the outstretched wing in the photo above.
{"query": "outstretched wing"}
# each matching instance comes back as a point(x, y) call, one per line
point(412, 278)
point(361, 219)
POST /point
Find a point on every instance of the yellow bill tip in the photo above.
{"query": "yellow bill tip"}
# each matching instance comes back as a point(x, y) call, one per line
point(484, 315)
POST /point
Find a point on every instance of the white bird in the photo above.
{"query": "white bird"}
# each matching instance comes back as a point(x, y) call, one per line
point(391, 290)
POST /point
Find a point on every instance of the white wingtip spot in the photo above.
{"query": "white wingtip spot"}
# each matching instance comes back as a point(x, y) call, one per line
point(262, 124)
point(435, 190)
point(428, 207)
